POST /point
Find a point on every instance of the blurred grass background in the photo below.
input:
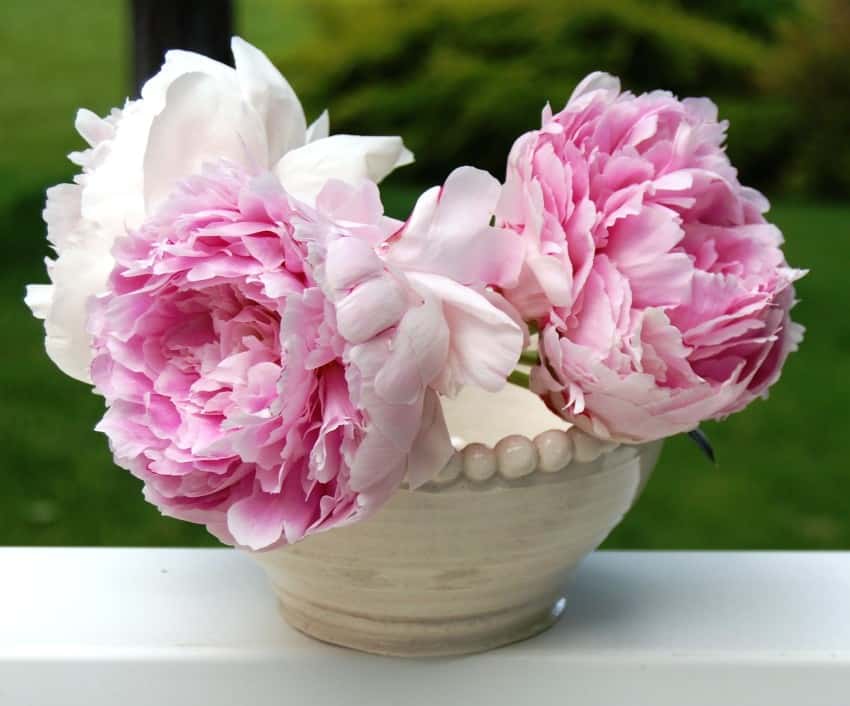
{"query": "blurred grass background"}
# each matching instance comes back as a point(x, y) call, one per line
point(459, 80)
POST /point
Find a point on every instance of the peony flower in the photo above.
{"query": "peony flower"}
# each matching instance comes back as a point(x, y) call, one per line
point(660, 290)
point(195, 110)
point(272, 366)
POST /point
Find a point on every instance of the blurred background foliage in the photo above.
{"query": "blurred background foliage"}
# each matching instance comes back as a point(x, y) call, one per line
point(460, 80)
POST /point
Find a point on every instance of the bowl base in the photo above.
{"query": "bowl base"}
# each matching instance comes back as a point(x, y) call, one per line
point(426, 637)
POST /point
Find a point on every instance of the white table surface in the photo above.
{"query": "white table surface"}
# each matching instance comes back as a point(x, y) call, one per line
point(160, 626)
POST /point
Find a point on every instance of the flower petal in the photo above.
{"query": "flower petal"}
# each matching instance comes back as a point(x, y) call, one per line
point(449, 233)
point(179, 62)
point(200, 123)
point(319, 129)
point(349, 262)
point(485, 343)
point(39, 298)
point(370, 308)
point(420, 348)
point(272, 98)
point(77, 275)
point(350, 158)
point(432, 448)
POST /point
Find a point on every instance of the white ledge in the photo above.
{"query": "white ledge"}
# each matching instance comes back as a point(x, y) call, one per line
point(159, 626)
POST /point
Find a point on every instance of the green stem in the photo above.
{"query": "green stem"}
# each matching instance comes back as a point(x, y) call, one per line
point(519, 378)
point(530, 357)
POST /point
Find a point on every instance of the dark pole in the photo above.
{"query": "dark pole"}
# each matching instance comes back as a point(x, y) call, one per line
point(203, 26)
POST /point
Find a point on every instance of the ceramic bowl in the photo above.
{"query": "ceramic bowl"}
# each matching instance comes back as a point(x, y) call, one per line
point(479, 557)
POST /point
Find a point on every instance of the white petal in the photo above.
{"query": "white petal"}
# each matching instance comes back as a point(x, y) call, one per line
point(112, 189)
point(77, 275)
point(92, 128)
point(39, 298)
point(320, 128)
point(200, 123)
point(179, 63)
point(350, 158)
point(269, 94)
point(62, 215)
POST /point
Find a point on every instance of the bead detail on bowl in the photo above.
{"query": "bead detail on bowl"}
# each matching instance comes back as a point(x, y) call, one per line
point(479, 462)
point(554, 449)
point(516, 457)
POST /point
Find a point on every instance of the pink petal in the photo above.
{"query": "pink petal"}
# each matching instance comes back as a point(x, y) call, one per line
point(449, 233)
point(485, 343)
point(420, 347)
point(370, 308)
point(432, 448)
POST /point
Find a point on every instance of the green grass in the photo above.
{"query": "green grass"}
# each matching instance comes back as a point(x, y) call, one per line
point(782, 479)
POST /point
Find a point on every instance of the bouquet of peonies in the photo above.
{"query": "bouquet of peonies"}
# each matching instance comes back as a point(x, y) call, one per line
point(272, 348)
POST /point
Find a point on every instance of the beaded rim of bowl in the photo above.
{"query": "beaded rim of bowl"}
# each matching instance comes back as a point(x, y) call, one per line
point(516, 459)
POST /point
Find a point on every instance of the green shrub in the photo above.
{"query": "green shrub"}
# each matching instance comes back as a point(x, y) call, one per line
point(460, 80)
point(760, 132)
point(810, 71)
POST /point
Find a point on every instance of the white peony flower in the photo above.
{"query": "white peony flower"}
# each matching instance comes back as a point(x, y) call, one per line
point(195, 110)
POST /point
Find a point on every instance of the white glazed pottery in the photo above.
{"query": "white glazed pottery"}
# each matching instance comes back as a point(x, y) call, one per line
point(479, 557)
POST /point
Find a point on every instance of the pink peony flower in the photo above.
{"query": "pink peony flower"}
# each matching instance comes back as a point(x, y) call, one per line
point(661, 292)
point(193, 111)
point(272, 367)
